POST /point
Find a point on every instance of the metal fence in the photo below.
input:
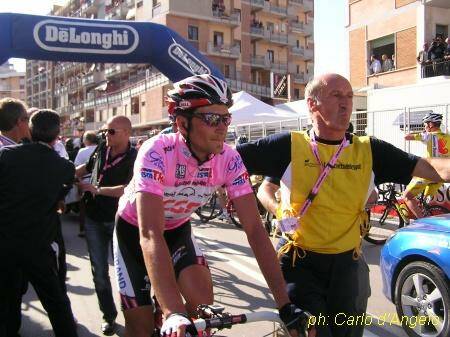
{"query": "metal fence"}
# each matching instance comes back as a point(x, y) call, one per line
point(389, 125)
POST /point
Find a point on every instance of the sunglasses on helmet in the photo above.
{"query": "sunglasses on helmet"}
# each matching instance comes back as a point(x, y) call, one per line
point(213, 119)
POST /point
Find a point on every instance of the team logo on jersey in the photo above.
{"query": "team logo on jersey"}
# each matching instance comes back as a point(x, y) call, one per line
point(168, 148)
point(86, 37)
point(147, 173)
point(157, 160)
point(235, 164)
point(180, 171)
point(187, 60)
point(204, 172)
point(241, 180)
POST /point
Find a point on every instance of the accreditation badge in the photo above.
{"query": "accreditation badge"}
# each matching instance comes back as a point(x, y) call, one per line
point(288, 225)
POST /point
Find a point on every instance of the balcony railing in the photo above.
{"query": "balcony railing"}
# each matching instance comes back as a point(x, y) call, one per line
point(277, 38)
point(301, 27)
point(268, 7)
point(232, 19)
point(306, 53)
point(224, 50)
point(307, 5)
point(257, 3)
point(433, 69)
point(115, 69)
point(257, 32)
point(260, 61)
point(255, 89)
point(299, 78)
point(278, 67)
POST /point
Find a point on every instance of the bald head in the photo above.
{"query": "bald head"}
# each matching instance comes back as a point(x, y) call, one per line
point(120, 122)
point(315, 87)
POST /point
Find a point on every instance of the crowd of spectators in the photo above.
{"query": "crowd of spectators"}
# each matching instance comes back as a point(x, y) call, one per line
point(434, 58)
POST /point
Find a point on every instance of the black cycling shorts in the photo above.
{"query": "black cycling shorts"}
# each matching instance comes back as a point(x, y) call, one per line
point(131, 275)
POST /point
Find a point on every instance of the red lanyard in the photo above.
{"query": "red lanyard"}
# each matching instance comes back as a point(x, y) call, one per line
point(325, 171)
point(107, 165)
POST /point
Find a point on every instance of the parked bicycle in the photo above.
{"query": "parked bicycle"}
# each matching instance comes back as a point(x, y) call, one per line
point(390, 213)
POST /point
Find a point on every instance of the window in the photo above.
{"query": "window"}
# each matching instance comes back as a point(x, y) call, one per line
point(139, 4)
point(296, 93)
point(298, 69)
point(193, 33)
point(270, 55)
point(218, 39)
point(383, 46)
point(114, 111)
point(226, 70)
point(297, 43)
point(442, 30)
point(156, 3)
point(270, 27)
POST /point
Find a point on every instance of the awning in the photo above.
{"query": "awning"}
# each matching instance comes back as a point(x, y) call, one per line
point(102, 86)
point(131, 13)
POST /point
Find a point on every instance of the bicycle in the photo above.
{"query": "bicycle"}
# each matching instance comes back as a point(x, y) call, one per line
point(389, 214)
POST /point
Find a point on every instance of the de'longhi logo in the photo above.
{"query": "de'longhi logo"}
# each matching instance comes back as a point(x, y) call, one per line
point(85, 37)
point(187, 60)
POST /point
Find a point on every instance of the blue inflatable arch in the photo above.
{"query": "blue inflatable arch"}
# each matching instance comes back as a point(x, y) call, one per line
point(55, 38)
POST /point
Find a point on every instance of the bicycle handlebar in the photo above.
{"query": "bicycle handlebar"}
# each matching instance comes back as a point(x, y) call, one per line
point(226, 321)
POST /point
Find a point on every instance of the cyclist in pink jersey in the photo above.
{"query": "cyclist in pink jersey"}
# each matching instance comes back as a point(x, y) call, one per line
point(174, 174)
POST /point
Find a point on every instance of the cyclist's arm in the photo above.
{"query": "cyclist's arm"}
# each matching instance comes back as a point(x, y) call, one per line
point(262, 246)
point(266, 195)
point(150, 212)
point(434, 169)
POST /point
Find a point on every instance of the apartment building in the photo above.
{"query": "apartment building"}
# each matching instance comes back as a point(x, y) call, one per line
point(12, 82)
point(264, 47)
point(397, 29)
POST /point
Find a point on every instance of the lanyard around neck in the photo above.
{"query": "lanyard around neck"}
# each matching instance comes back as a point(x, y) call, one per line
point(6, 141)
point(324, 170)
point(107, 165)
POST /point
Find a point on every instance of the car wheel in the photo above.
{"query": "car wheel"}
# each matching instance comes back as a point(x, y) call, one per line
point(422, 300)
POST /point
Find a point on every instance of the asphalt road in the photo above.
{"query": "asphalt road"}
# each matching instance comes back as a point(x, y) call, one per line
point(238, 285)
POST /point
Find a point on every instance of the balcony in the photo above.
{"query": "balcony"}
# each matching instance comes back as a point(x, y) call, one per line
point(224, 50)
point(307, 5)
point(275, 10)
point(301, 28)
point(305, 53)
point(93, 78)
point(282, 39)
point(299, 78)
point(256, 33)
point(115, 69)
point(254, 89)
point(233, 19)
point(89, 7)
point(256, 5)
point(278, 67)
point(263, 62)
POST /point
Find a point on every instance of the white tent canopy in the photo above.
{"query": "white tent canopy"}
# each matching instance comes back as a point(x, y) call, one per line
point(248, 109)
point(298, 107)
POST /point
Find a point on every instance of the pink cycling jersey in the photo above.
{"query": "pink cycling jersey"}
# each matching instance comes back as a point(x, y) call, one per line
point(165, 167)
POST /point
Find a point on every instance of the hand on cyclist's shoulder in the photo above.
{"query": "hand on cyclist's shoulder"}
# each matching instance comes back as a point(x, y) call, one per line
point(297, 321)
point(178, 325)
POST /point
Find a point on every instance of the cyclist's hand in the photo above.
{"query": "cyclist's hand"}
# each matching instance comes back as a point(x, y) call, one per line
point(178, 325)
point(297, 321)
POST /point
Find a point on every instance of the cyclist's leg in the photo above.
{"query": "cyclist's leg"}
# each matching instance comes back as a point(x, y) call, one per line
point(414, 188)
point(193, 275)
point(132, 281)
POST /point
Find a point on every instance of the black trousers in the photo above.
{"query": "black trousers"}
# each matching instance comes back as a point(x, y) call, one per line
point(332, 287)
point(40, 269)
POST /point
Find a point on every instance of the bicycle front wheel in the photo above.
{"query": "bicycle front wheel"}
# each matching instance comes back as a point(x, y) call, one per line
point(384, 221)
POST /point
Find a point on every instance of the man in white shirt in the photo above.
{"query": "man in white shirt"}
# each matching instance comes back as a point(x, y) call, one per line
point(375, 65)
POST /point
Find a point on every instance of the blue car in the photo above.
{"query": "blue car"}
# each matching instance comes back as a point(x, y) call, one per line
point(415, 266)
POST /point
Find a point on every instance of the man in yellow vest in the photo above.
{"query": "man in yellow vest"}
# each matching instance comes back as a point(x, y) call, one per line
point(326, 176)
point(438, 146)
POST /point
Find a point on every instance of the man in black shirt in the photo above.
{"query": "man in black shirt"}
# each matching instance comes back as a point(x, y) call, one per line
point(32, 177)
point(111, 166)
point(330, 174)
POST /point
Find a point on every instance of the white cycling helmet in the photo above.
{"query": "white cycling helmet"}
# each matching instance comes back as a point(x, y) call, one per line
point(432, 117)
point(197, 91)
